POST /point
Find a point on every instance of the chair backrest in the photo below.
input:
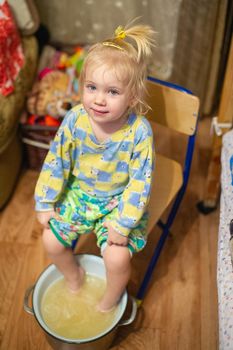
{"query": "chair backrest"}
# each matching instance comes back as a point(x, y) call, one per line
point(172, 106)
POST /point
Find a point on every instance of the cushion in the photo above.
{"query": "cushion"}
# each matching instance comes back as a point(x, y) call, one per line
point(26, 15)
point(12, 105)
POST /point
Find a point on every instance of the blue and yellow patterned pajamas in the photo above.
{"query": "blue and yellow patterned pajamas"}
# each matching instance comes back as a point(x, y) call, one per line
point(88, 183)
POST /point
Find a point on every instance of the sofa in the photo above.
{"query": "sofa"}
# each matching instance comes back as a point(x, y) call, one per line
point(11, 105)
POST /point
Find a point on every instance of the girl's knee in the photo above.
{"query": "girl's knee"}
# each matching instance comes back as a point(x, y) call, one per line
point(51, 243)
point(117, 258)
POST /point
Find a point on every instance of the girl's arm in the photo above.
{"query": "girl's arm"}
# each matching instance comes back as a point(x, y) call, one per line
point(136, 195)
point(114, 237)
point(56, 167)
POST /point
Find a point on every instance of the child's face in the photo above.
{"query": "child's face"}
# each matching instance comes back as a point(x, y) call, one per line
point(105, 97)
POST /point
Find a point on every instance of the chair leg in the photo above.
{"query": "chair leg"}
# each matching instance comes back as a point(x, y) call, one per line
point(153, 261)
point(74, 244)
point(165, 231)
point(161, 224)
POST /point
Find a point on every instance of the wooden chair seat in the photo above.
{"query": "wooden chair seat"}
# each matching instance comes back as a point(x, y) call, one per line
point(168, 179)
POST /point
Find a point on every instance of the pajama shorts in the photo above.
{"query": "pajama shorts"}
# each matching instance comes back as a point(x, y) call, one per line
point(79, 213)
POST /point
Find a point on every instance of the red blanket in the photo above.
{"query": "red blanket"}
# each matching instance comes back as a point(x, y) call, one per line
point(11, 53)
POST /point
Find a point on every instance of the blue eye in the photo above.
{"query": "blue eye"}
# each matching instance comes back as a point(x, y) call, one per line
point(91, 87)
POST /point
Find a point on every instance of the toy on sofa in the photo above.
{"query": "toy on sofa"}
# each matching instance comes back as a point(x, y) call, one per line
point(46, 120)
point(54, 93)
point(76, 60)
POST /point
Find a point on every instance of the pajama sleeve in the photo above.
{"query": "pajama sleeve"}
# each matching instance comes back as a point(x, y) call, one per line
point(56, 167)
point(136, 195)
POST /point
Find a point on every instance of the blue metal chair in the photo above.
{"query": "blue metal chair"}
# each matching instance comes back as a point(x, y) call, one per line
point(177, 109)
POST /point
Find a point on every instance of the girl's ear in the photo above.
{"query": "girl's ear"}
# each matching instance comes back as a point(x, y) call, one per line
point(132, 101)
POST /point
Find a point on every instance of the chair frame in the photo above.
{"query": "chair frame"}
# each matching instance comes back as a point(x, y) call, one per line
point(176, 203)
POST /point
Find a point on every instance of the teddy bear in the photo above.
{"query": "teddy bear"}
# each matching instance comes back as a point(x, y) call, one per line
point(54, 93)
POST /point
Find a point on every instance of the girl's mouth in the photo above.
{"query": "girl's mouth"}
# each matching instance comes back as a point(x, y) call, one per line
point(99, 112)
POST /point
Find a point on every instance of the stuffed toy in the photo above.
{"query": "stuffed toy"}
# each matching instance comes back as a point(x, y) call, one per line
point(53, 94)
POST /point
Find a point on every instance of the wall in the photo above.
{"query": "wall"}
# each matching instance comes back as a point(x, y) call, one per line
point(189, 38)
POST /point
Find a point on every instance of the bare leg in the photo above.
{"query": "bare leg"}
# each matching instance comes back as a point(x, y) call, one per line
point(64, 260)
point(118, 270)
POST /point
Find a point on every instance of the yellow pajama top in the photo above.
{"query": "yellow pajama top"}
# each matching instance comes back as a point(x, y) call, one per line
point(122, 164)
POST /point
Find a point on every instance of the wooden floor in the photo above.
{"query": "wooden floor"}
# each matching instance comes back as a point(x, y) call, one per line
point(180, 307)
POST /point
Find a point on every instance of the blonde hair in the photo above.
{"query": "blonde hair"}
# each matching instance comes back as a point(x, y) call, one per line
point(127, 52)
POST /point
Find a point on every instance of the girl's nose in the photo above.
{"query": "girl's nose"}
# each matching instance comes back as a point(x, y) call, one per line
point(100, 99)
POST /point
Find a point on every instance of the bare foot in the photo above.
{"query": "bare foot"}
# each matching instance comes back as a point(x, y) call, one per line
point(98, 308)
point(75, 284)
point(104, 306)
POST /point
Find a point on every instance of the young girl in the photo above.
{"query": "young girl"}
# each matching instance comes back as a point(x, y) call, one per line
point(97, 175)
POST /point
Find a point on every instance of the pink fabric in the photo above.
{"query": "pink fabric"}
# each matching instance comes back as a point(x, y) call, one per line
point(44, 72)
point(11, 53)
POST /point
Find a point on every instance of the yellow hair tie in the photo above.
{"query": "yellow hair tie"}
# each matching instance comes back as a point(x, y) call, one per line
point(120, 33)
point(109, 43)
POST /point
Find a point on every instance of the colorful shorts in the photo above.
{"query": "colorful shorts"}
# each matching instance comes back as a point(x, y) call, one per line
point(80, 213)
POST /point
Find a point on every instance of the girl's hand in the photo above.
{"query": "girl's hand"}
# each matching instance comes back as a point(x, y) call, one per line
point(44, 216)
point(114, 237)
